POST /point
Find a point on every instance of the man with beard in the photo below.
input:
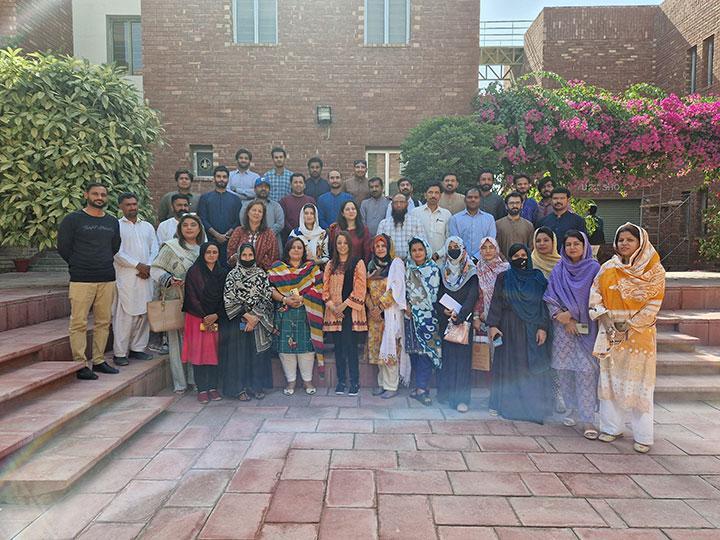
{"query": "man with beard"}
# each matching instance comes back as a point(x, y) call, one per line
point(513, 229)
point(293, 204)
point(357, 186)
point(530, 206)
point(183, 179)
point(88, 240)
point(219, 211)
point(328, 204)
point(406, 188)
point(315, 185)
point(375, 208)
point(401, 227)
point(138, 248)
point(545, 186)
point(450, 199)
point(242, 180)
point(562, 219)
point(167, 229)
point(472, 224)
point(279, 176)
point(274, 213)
point(490, 202)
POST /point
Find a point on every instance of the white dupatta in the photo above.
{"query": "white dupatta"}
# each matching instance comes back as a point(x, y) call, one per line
point(394, 322)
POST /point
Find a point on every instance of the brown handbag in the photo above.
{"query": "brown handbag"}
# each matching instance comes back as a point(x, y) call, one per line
point(458, 333)
point(480, 356)
point(164, 315)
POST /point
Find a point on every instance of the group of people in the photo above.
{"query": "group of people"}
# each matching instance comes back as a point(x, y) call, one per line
point(415, 287)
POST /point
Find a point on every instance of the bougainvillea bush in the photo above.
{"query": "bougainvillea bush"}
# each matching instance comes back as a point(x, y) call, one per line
point(64, 123)
point(589, 138)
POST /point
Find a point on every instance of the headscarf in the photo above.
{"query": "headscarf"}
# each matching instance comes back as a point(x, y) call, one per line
point(457, 272)
point(569, 289)
point(247, 290)
point(205, 294)
point(307, 280)
point(379, 268)
point(524, 289)
point(422, 286)
point(545, 263)
point(488, 272)
point(316, 231)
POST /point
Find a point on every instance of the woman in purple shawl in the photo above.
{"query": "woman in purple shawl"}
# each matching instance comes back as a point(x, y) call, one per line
point(574, 332)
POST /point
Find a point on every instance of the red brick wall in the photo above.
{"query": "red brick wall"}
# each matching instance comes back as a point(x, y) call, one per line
point(7, 20)
point(43, 26)
point(610, 47)
point(213, 91)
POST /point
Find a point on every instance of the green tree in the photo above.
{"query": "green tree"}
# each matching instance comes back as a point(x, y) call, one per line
point(63, 123)
point(458, 144)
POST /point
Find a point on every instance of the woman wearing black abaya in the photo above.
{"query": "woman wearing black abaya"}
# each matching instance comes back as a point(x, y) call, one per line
point(521, 387)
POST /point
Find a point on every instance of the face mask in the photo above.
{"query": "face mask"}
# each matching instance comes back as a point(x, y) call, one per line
point(485, 187)
point(454, 253)
point(521, 263)
point(247, 264)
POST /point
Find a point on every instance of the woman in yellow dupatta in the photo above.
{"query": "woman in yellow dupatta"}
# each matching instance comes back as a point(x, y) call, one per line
point(625, 298)
point(545, 250)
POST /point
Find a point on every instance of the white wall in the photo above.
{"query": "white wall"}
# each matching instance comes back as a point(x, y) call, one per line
point(90, 29)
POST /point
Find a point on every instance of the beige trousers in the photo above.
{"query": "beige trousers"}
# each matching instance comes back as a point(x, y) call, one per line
point(83, 297)
point(290, 363)
point(389, 376)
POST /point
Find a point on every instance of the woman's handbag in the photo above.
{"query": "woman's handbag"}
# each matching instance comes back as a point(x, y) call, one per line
point(480, 355)
point(458, 333)
point(165, 315)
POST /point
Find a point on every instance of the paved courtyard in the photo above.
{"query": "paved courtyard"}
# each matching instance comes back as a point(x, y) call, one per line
point(303, 467)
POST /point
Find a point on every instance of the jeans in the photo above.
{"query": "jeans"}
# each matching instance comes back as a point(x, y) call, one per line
point(346, 352)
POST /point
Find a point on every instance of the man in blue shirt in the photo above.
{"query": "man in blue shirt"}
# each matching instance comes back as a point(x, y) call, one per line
point(219, 211)
point(472, 224)
point(242, 180)
point(329, 203)
point(530, 205)
point(562, 219)
point(278, 177)
point(315, 184)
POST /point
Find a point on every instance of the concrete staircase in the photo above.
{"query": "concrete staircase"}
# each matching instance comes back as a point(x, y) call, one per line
point(688, 340)
point(53, 427)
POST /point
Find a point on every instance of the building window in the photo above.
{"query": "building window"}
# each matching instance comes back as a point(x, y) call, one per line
point(387, 22)
point(202, 160)
point(709, 54)
point(125, 43)
point(255, 21)
point(692, 53)
point(387, 165)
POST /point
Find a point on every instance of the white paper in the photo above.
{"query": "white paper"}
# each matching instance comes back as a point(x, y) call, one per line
point(450, 303)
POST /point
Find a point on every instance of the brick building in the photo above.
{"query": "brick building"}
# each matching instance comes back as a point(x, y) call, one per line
point(220, 85)
point(37, 26)
point(671, 46)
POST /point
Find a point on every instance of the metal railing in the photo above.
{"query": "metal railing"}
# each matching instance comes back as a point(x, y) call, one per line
point(503, 33)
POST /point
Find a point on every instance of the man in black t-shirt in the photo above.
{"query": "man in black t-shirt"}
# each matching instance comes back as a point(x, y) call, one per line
point(88, 240)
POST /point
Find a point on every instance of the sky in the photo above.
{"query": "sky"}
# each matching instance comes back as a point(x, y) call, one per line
point(514, 10)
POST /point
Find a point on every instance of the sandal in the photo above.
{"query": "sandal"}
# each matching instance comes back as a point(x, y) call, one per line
point(310, 390)
point(606, 437)
point(260, 395)
point(425, 399)
point(492, 412)
point(288, 391)
point(591, 434)
point(569, 421)
point(641, 448)
point(243, 396)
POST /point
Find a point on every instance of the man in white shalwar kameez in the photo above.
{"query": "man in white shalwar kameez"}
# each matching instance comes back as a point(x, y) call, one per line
point(166, 230)
point(138, 248)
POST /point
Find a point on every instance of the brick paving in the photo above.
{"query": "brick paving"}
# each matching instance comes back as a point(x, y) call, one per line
point(303, 467)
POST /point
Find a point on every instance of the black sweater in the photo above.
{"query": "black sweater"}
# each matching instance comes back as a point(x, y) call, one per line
point(88, 244)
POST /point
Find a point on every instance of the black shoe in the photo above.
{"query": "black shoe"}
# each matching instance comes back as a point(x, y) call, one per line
point(379, 391)
point(340, 389)
point(140, 355)
point(86, 374)
point(105, 368)
point(120, 360)
point(354, 390)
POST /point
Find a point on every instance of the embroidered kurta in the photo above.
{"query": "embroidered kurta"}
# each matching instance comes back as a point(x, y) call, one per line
point(332, 292)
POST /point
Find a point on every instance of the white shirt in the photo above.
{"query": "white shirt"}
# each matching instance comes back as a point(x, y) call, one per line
point(435, 225)
point(166, 230)
point(138, 244)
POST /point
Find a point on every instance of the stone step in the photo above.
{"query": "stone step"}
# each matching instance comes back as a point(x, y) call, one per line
point(43, 341)
point(19, 382)
point(74, 451)
point(668, 341)
point(41, 415)
point(704, 360)
point(692, 290)
point(687, 387)
point(704, 324)
point(28, 306)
